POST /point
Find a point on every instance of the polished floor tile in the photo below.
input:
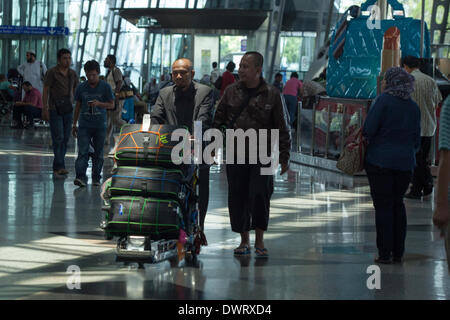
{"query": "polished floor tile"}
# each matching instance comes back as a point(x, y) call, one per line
point(321, 240)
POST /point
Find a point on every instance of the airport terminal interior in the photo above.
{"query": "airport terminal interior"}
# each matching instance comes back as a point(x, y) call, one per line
point(321, 236)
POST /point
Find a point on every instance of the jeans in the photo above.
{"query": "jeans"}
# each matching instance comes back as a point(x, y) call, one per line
point(387, 188)
point(85, 135)
point(60, 128)
point(291, 104)
point(32, 112)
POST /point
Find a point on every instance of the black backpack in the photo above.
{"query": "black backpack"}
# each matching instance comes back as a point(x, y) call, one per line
point(218, 83)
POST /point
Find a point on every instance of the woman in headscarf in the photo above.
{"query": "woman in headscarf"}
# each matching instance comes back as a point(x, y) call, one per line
point(392, 129)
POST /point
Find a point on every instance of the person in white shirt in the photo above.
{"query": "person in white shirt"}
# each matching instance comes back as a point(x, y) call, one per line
point(115, 79)
point(33, 71)
point(215, 74)
point(427, 96)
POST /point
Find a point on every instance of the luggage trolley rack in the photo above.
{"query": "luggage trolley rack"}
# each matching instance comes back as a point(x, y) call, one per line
point(144, 247)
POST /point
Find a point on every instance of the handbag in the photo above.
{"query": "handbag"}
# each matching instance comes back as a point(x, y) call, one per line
point(354, 56)
point(351, 160)
point(63, 105)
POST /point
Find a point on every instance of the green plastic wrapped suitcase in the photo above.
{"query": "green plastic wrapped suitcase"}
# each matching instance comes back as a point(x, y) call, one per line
point(157, 218)
point(140, 147)
point(149, 182)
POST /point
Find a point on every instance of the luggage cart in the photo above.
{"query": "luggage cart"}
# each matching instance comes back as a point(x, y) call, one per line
point(142, 248)
point(147, 247)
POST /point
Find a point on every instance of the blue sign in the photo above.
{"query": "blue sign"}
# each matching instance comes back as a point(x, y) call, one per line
point(37, 31)
point(243, 45)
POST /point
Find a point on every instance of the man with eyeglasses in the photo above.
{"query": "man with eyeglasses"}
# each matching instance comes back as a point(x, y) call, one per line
point(181, 104)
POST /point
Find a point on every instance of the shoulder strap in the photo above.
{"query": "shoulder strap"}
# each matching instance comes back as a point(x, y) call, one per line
point(112, 72)
point(70, 82)
point(238, 114)
point(243, 105)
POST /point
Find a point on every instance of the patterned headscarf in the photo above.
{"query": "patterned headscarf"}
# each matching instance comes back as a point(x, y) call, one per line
point(399, 83)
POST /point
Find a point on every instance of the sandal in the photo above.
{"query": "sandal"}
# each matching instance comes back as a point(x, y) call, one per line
point(261, 253)
point(242, 251)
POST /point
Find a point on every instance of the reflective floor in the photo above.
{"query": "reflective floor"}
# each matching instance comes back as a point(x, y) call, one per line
point(321, 240)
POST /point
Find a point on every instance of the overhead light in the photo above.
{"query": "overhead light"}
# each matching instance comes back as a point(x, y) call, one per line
point(147, 22)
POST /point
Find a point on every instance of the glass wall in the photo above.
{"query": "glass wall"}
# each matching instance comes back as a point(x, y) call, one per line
point(296, 53)
point(206, 52)
point(232, 48)
point(32, 13)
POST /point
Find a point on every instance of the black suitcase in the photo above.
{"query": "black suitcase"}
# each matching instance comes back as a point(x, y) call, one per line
point(152, 147)
point(159, 219)
point(149, 182)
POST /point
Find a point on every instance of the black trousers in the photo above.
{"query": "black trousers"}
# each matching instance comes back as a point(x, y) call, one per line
point(422, 177)
point(249, 195)
point(203, 190)
point(387, 188)
point(29, 111)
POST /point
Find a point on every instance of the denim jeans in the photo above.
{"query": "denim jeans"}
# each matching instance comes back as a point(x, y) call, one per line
point(30, 112)
point(291, 104)
point(60, 128)
point(85, 135)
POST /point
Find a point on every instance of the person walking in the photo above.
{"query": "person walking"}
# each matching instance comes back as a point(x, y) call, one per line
point(93, 98)
point(291, 92)
point(252, 103)
point(215, 73)
point(115, 79)
point(59, 88)
point(441, 216)
point(392, 129)
point(181, 104)
point(426, 94)
point(227, 77)
point(33, 71)
point(278, 82)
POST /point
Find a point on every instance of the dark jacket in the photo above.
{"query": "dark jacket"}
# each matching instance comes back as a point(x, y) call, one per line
point(164, 111)
point(392, 128)
point(265, 110)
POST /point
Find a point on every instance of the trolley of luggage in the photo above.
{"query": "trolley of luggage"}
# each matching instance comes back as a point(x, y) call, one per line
point(151, 203)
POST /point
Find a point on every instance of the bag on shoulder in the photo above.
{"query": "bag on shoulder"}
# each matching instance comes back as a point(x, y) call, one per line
point(63, 105)
point(125, 91)
point(218, 83)
point(351, 160)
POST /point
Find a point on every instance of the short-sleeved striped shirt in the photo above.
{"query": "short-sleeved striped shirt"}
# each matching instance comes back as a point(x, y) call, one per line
point(427, 95)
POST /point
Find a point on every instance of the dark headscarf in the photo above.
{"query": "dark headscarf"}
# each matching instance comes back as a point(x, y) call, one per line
point(399, 83)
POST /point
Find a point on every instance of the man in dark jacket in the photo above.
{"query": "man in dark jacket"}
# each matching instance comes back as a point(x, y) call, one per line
point(181, 104)
point(251, 103)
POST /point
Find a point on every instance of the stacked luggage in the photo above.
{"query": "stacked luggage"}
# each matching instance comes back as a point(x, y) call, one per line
point(148, 194)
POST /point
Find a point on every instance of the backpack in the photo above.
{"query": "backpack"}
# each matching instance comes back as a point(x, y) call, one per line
point(125, 91)
point(218, 83)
